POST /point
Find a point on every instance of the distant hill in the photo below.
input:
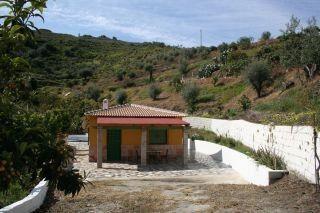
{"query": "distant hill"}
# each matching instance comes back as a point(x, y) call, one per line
point(70, 66)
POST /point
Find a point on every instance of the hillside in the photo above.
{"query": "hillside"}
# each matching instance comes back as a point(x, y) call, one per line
point(93, 68)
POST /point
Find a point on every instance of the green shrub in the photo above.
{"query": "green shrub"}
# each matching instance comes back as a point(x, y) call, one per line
point(269, 158)
point(207, 70)
point(206, 98)
point(121, 97)
point(231, 113)
point(183, 67)
point(86, 73)
point(120, 74)
point(154, 91)
point(190, 93)
point(244, 103)
point(176, 83)
point(245, 42)
point(93, 92)
point(132, 75)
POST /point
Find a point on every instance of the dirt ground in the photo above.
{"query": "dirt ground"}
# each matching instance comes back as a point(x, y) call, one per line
point(189, 194)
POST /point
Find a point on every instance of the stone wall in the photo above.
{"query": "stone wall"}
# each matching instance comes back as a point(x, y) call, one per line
point(293, 143)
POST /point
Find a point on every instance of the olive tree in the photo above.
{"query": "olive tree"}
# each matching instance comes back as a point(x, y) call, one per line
point(190, 93)
point(154, 91)
point(265, 36)
point(149, 68)
point(258, 73)
point(121, 97)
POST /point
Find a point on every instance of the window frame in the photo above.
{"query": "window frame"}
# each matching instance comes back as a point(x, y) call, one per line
point(156, 129)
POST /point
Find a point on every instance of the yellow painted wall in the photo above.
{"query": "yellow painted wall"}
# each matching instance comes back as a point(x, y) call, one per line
point(175, 136)
point(92, 136)
point(131, 136)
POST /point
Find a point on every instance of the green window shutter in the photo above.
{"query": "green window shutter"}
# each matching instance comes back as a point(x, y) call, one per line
point(158, 136)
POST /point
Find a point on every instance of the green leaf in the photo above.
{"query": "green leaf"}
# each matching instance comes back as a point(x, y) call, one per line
point(15, 28)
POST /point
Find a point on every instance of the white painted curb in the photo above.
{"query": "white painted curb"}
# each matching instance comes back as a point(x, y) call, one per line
point(249, 169)
point(30, 203)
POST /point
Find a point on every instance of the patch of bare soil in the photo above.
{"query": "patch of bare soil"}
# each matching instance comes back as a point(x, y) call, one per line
point(189, 195)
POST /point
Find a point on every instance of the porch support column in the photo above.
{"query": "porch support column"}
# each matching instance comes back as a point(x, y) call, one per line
point(99, 147)
point(185, 146)
point(143, 151)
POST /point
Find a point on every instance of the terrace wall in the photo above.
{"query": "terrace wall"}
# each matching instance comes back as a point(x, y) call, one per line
point(293, 143)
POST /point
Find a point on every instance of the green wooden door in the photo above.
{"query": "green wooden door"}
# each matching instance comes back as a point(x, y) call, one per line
point(114, 144)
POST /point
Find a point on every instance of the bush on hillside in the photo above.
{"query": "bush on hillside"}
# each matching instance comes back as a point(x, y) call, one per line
point(183, 67)
point(86, 73)
point(190, 93)
point(176, 83)
point(207, 70)
point(93, 92)
point(265, 36)
point(245, 42)
point(120, 74)
point(258, 73)
point(132, 75)
point(149, 68)
point(244, 103)
point(121, 97)
point(154, 91)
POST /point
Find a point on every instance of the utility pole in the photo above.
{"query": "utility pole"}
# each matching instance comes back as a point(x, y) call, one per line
point(200, 38)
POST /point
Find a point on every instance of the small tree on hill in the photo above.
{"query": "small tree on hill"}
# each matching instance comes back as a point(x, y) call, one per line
point(245, 42)
point(121, 97)
point(154, 92)
point(190, 93)
point(120, 74)
point(183, 67)
point(265, 36)
point(149, 68)
point(257, 74)
point(93, 92)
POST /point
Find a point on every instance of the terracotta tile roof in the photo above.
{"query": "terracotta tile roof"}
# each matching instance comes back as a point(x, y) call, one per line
point(134, 110)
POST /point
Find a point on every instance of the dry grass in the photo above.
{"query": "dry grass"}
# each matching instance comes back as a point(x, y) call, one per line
point(287, 195)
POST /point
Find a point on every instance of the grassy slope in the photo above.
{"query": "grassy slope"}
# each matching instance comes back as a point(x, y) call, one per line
point(59, 72)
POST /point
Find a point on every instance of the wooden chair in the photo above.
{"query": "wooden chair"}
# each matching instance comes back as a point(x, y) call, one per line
point(165, 156)
point(138, 157)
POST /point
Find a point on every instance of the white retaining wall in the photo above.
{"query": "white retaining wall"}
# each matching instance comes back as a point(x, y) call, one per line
point(293, 143)
point(248, 168)
point(30, 203)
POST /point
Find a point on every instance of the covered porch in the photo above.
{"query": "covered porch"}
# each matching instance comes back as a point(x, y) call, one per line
point(153, 136)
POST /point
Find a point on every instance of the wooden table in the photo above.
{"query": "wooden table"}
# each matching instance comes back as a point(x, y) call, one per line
point(154, 154)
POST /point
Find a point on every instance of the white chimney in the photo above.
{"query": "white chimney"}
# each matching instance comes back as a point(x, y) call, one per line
point(105, 104)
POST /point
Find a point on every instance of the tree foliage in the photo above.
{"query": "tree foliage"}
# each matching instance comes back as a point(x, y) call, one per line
point(266, 35)
point(301, 46)
point(121, 97)
point(154, 91)
point(30, 146)
point(258, 73)
point(190, 93)
point(149, 68)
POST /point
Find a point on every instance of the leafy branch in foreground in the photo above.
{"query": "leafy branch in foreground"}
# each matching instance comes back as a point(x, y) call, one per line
point(30, 146)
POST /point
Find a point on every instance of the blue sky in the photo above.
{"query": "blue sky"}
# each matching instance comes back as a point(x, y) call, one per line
point(175, 22)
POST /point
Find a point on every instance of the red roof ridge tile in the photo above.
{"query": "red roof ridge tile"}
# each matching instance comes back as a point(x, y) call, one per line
point(136, 111)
